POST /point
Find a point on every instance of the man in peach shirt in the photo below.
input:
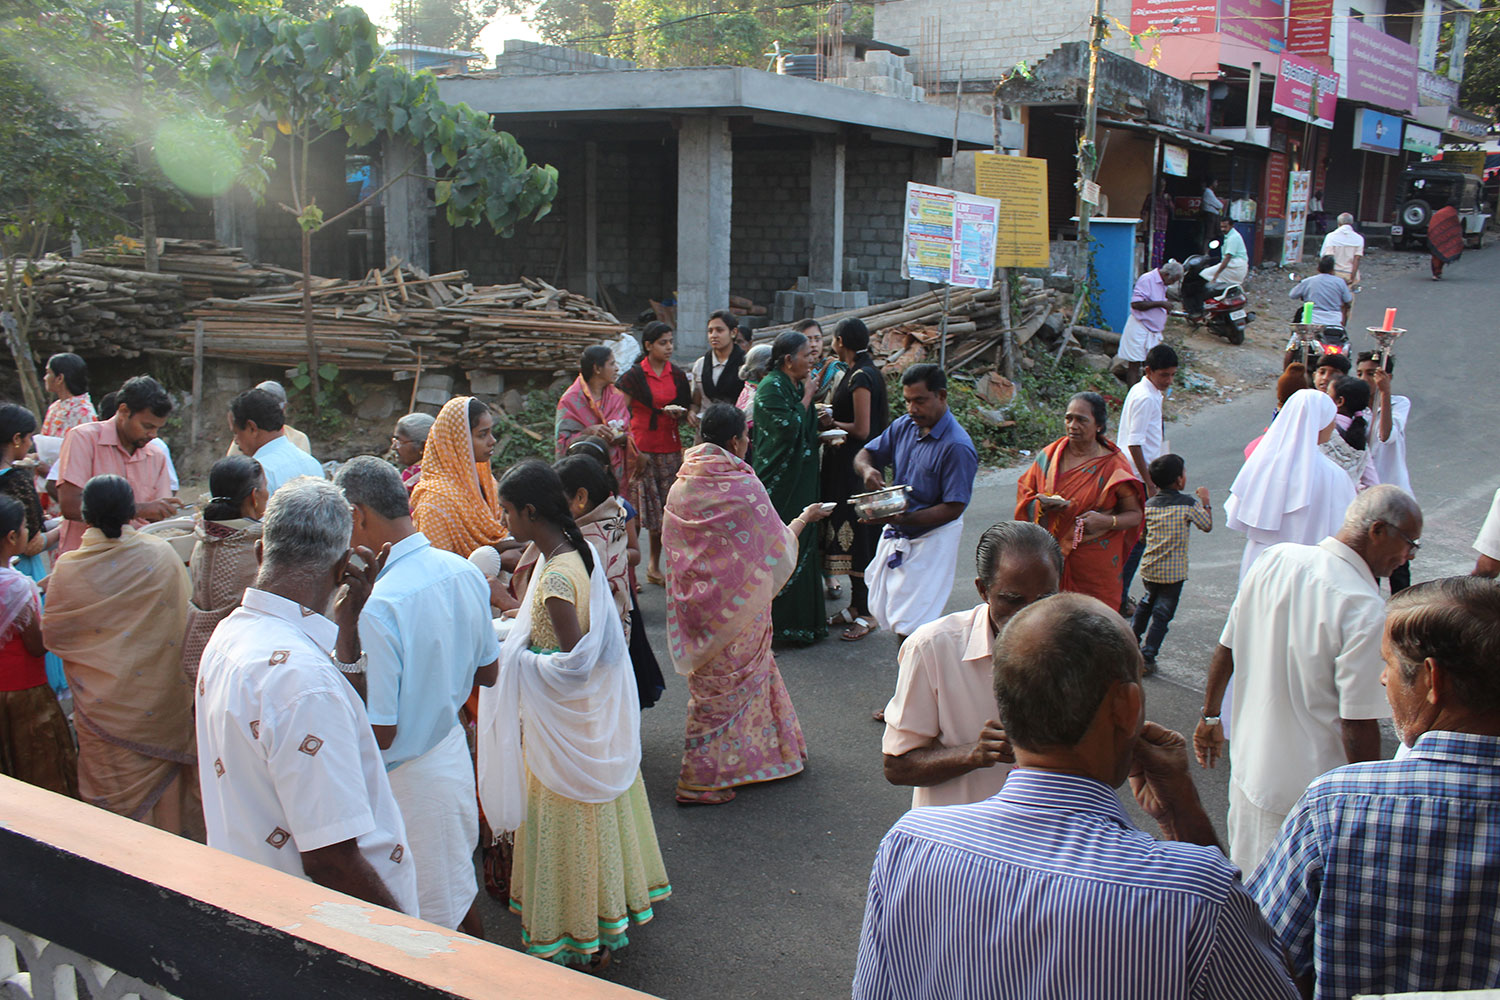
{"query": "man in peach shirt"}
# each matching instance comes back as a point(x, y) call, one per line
point(942, 728)
point(117, 446)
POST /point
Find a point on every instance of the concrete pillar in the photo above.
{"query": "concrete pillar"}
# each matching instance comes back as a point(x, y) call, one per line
point(1427, 43)
point(582, 189)
point(1460, 44)
point(1252, 103)
point(924, 167)
point(705, 193)
point(234, 221)
point(408, 210)
point(825, 217)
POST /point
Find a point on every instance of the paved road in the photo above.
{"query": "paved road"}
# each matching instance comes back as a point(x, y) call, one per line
point(769, 890)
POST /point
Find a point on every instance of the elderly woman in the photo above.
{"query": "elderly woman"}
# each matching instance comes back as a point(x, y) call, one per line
point(659, 397)
point(757, 360)
point(455, 503)
point(593, 406)
point(224, 562)
point(407, 441)
point(786, 459)
point(1084, 490)
point(116, 613)
point(729, 556)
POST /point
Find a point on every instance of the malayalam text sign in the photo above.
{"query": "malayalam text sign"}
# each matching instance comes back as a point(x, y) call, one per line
point(1308, 23)
point(1254, 22)
point(1173, 17)
point(1020, 183)
point(1295, 83)
point(949, 237)
point(1434, 91)
point(1381, 70)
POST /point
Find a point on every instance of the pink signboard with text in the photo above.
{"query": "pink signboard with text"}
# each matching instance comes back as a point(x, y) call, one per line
point(1380, 70)
point(1254, 22)
point(1295, 84)
point(1173, 17)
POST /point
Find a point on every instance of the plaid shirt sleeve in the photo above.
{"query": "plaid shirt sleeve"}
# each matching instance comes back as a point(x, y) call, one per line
point(1287, 885)
point(1201, 516)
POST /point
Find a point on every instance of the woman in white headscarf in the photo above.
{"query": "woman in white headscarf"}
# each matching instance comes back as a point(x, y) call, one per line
point(1288, 490)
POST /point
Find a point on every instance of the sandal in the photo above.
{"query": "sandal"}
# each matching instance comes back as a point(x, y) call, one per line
point(858, 629)
point(714, 797)
point(598, 961)
point(655, 579)
point(844, 617)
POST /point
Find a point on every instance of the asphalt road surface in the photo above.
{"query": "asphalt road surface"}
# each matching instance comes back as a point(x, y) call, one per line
point(768, 891)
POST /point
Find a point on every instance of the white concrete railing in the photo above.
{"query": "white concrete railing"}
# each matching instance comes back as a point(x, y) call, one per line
point(33, 968)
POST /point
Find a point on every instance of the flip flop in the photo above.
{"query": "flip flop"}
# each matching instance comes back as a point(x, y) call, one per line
point(860, 628)
point(844, 617)
point(717, 797)
point(655, 579)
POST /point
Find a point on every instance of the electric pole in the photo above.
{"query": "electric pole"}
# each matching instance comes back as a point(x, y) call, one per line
point(1087, 158)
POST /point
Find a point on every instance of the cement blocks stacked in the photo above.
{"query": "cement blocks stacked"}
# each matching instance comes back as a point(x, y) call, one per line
point(882, 73)
point(524, 58)
point(806, 302)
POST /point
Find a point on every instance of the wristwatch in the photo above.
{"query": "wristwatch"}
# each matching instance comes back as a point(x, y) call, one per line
point(353, 669)
point(1212, 720)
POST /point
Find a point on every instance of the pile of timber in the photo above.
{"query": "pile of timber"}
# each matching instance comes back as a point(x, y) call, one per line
point(96, 310)
point(909, 331)
point(401, 318)
point(207, 269)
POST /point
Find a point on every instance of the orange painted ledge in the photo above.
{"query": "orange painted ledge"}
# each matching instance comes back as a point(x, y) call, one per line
point(383, 939)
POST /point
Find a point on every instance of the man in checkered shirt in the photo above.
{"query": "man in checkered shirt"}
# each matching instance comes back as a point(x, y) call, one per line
point(292, 777)
point(1386, 876)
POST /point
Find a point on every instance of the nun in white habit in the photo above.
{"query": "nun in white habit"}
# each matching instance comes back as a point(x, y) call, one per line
point(1288, 490)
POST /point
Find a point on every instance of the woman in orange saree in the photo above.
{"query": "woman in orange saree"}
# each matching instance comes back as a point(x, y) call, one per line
point(1083, 490)
point(456, 503)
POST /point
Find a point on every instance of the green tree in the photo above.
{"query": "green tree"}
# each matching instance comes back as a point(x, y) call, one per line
point(1480, 90)
point(309, 81)
point(447, 24)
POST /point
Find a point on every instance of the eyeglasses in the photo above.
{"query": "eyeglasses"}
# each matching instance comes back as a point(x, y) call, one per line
point(1414, 544)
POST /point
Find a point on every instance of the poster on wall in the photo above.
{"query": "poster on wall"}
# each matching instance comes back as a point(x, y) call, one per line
point(1255, 22)
point(1308, 23)
point(949, 237)
point(1298, 82)
point(1021, 233)
point(1173, 17)
point(1377, 132)
point(1299, 186)
point(1174, 160)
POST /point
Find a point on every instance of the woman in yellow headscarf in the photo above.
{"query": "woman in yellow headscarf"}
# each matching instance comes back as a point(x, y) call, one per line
point(456, 504)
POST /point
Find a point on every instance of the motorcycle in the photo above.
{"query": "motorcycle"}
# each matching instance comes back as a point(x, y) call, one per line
point(1311, 341)
point(1219, 307)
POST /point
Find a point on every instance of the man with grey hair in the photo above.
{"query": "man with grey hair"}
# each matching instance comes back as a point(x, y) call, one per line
point(1303, 645)
point(1047, 888)
point(296, 437)
point(1385, 878)
point(429, 639)
point(1347, 249)
point(291, 774)
point(1148, 317)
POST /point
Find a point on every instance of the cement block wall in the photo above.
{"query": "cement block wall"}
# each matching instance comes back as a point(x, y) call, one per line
point(526, 58)
point(768, 250)
point(875, 179)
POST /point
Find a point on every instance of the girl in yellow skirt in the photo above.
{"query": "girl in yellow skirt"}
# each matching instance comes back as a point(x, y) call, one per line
point(587, 861)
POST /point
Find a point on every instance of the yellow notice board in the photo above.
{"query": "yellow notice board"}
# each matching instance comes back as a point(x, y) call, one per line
point(1470, 161)
point(1020, 183)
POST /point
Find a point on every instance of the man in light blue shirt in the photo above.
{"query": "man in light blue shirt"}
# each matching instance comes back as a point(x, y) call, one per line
point(429, 639)
point(1328, 293)
point(1234, 259)
point(1047, 889)
point(256, 421)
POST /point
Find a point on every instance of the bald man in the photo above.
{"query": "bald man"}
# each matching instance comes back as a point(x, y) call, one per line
point(957, 894)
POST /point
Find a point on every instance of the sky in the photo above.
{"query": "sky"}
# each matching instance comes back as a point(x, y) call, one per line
point(491, 40)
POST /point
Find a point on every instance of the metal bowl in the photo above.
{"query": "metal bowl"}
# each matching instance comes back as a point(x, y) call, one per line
point(880, 503)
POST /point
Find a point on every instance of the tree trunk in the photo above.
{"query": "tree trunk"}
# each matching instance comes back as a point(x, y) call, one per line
point(307, 324)
point(20, 349)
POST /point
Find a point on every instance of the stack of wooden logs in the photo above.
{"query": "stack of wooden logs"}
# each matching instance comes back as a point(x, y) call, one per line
point(207, 269)
point(96, 310)
point(909, 331)
point(402, 318)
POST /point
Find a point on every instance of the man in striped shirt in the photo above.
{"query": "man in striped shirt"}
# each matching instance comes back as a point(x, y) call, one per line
point(1047, 889)
point(1386, 876)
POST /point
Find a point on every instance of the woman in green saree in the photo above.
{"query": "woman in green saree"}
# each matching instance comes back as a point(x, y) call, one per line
point(786, 460)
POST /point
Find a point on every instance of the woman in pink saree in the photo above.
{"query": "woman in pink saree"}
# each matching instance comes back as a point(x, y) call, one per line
point(728, 554)
point(592, 406)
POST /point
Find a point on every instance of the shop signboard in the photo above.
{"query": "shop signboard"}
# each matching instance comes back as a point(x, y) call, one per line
point(1435, 90)
point(1174, 160)
point(1299, 186)
point(1021, 235)
point(1254, 22)
point(1296, 82)
point(949, 237)
point(1475, 131)
point(1173, 17)
point(1307, 26)
point(1381, 70)
point(1276, 178)
point(1377, 132)
point(1419, 139)
point(1470, 161)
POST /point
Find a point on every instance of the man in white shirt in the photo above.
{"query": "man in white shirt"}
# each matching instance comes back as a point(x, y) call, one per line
point(1347, 249)
point(1142, 433)
point(255, 420)
point(942, 726)
point(1303, 644)
point(429, 639)
point(1488, 543)
point(291, 776)
point(1387, 434)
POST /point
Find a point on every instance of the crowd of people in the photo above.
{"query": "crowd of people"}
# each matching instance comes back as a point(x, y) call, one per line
point(360, 674)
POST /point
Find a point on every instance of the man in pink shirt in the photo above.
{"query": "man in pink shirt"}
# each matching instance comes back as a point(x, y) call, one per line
point(117, 446)
point(942, 728)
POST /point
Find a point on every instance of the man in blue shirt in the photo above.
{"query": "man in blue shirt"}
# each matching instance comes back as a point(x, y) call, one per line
point(1047, 889)
point(256, 421)
point(1328, 293)
point(911, 575)
point(1386, 876)
point(428, 638)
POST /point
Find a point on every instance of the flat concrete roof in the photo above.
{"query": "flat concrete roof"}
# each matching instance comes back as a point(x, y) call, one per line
point(787, 102)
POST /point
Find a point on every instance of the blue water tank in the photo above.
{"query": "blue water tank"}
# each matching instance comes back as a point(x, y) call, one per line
point(1114, 265)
